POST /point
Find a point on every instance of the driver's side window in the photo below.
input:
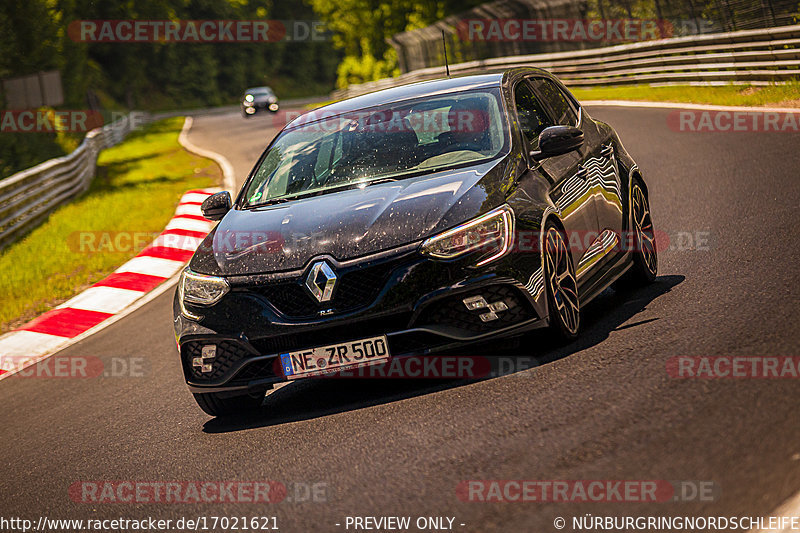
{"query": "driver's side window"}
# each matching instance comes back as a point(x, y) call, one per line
point(560, 105)
point(532, 116)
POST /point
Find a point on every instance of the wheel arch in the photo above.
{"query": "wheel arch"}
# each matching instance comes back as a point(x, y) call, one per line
point(546, 219)
point(636, 174)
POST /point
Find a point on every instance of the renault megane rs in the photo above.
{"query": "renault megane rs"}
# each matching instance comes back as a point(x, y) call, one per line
point(408, 221)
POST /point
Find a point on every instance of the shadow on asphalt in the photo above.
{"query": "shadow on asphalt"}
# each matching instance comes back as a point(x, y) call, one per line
point(303, 400)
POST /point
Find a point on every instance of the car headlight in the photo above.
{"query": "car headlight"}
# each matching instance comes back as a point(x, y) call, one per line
point(492, 233)
point(200, 289)
point(248, 98)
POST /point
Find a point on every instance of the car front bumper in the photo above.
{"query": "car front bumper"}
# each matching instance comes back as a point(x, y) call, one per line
point(252, 107)
point(416, 301)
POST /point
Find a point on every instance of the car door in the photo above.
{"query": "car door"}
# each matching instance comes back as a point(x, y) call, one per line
point(603, 168)
point(602, 185)
point(603, 163)
point(569, 186)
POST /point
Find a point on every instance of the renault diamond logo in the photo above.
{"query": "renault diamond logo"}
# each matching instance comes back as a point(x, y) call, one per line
point(321, 280)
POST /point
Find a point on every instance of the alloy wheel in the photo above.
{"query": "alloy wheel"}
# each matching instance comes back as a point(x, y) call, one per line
point(643, 224)
point(561, 280)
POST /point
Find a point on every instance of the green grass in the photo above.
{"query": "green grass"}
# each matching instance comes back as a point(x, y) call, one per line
point(137, 188)
point(736, 95)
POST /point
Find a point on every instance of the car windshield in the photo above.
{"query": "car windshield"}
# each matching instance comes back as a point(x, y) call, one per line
point(387, 142)
point(259, 90)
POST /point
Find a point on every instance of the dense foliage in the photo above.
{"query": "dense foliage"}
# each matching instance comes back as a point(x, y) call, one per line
point(169, 75)
point(361, 27)
point(34, 37)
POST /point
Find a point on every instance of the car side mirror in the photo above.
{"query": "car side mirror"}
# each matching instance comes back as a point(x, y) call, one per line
point(557, 140)
point(215, 206)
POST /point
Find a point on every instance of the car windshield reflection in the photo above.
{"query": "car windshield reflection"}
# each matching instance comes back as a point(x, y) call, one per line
point(384, 143)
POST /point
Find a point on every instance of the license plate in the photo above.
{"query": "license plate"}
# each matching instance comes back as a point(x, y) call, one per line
point(335, 357)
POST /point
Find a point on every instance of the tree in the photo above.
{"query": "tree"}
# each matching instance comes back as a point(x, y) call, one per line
point(360, 28)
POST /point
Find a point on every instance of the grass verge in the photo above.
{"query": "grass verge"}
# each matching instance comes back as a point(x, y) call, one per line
point(735, 95)
point(787, 95)
point(138, 185)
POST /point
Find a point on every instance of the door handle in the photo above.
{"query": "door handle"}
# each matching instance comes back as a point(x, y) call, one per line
point(607, 150)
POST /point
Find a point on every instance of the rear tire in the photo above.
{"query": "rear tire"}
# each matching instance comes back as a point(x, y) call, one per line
point(645, 253)
point(216, 404)
point(561, 285)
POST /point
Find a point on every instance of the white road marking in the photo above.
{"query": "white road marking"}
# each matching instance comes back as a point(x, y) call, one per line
point(789, 508)
point(228, 181)
point(17, 346)
point(189, 209)
point(153, 266)
point(103, 299)
point(181, 242)
point(189, 224)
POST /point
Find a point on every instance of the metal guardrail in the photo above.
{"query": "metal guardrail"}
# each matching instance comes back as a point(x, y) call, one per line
point(755, 56)
point(759, 56)
point(27, 197)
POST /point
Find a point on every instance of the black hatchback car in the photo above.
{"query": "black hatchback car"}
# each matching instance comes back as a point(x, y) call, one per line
point(408, 221)
point(259, 99)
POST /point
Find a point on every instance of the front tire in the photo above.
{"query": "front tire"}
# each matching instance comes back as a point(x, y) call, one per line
point(216, 404)
point(562, 285)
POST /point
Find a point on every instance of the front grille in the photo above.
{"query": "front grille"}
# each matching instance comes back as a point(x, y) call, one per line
point(452, 312)
point(228, 354)
point(357, 287)
point(322, 336)
point(290, 299)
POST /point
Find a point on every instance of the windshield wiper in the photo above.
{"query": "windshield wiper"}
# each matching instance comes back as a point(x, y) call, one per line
point(299, 196)
point(376, 181)
point(270, 202)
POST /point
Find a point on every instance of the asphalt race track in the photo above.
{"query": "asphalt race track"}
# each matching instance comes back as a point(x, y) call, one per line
point(601, 408)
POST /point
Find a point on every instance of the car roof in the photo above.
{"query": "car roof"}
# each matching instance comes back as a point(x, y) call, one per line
point(268, 89)
point(415, 90)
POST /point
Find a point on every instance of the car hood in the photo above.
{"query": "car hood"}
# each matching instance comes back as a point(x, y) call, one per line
point(350, 223)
